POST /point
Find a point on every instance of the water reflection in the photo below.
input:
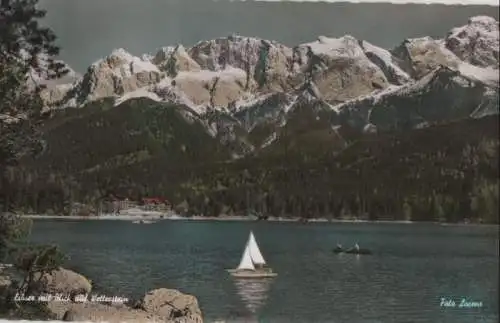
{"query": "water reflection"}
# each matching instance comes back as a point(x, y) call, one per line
point(253, 292)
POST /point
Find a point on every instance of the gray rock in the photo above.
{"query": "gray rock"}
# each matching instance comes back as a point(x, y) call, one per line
point(160, 305)
point(420, 56)
point(172, 304)
point(61, 281)
point(105, 313)
point(339, 67)
point(477, 42)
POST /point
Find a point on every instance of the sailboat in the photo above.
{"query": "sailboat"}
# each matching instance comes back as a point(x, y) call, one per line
point(252, 263)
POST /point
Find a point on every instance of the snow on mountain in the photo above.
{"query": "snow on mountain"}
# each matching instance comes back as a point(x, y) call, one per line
point(174, 59)
point(117, 74)
point(42, 79)
point(344, 47)
point(42, 75)
point(265, 62)
point(489, 75)
point(477, 42)
point(54, 86)
point(339, 67)
point(268, 108)
point(167, 92)
point(55, 89)
point(443, 94)
point(245, 103)
point(242, 82)
point(386, 62)
point(269, 140)
point(124, 64)
point(420, 56)
point(140, 93)
point(216, 88)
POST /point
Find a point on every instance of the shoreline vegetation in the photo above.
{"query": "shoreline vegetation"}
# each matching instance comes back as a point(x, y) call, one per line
point(227, 218)
point(404, 178)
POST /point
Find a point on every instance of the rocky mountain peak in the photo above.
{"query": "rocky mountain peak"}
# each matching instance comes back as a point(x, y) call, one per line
point(122, 64)
point(487, 22)
point(265, 62)
point(343, 47)
point(117, 57)
point(420, 56)
point(237, 73)
point(174, 59)
point(339, 68)
point(117, 74)
point(386, 62)
point(237, 51)
point(477, 42)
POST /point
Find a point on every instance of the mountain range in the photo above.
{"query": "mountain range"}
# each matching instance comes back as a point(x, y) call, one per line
point(234, 85)
point(240, 99)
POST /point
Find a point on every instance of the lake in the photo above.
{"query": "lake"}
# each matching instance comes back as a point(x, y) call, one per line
point(414, 272)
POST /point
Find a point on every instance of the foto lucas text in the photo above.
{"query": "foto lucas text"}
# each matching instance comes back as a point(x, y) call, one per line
point(462, 303)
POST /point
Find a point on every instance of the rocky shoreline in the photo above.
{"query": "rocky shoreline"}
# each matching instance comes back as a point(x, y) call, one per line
point(67, 296)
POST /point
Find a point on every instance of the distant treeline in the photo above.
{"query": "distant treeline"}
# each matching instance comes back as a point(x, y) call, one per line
point(442, 173)
point(445, 173)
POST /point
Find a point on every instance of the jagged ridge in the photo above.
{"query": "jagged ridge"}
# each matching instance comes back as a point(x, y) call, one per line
point(247, 89)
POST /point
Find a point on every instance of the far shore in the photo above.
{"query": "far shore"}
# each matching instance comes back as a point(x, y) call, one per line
point(158, 217)
point(153, 217)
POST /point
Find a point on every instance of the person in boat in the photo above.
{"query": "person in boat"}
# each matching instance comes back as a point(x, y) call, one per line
point(262, 267)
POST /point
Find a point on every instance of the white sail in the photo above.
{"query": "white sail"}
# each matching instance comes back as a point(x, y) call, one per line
point(246, 260)
point(255, 253)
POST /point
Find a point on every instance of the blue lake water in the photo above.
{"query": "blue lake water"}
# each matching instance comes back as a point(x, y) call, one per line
point(413, 267)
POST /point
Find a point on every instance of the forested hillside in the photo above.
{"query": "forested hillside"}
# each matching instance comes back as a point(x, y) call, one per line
point(336, 127)
point(442, 173)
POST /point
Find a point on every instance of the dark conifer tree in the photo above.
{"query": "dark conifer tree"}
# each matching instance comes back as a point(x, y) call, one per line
point(27, 56)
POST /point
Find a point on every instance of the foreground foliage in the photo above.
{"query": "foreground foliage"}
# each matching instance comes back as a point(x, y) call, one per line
point(26, 58)
point(30, 262)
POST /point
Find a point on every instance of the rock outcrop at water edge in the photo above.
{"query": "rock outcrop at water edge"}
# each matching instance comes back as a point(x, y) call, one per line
point(61, 281)
point(171, 303)
point(159, 305)
point(95, 312)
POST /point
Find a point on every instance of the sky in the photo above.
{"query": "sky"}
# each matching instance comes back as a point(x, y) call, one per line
point(88, 30)
point(448, 2)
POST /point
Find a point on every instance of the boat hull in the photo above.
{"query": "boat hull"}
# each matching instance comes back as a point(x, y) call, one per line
point(251, 274)
point(353, 251)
